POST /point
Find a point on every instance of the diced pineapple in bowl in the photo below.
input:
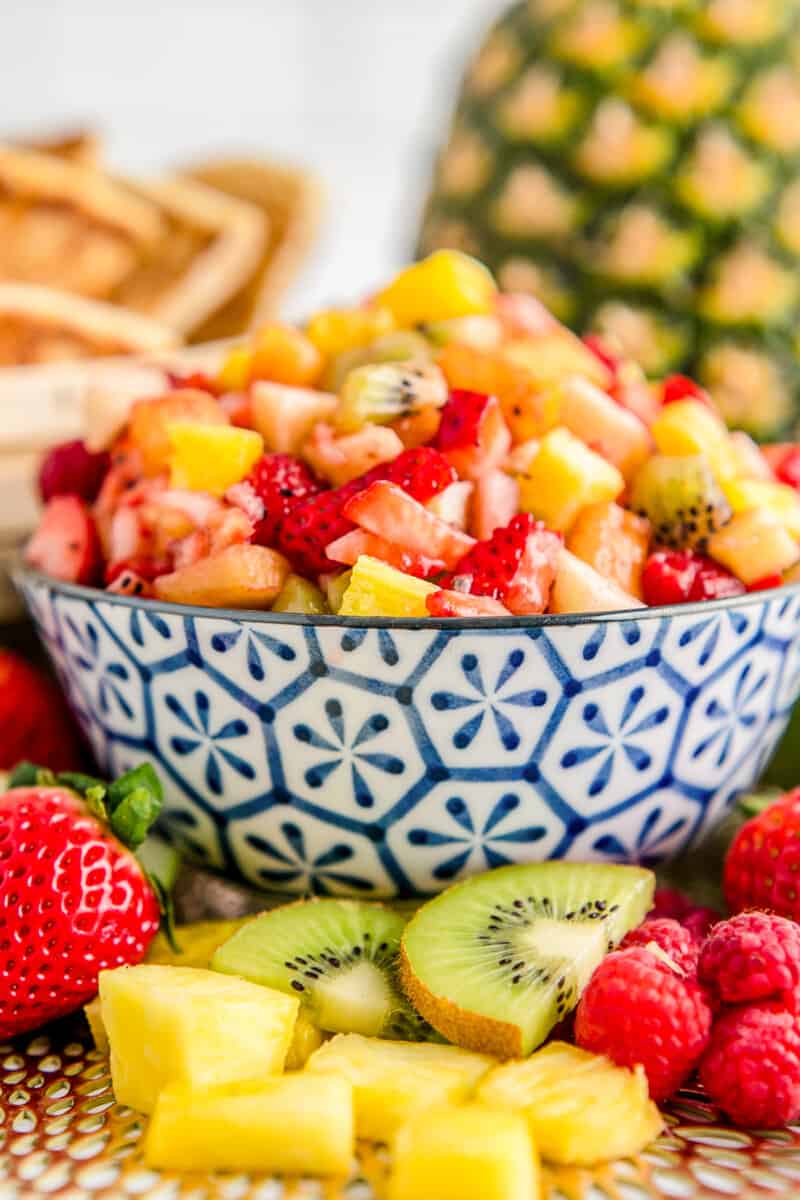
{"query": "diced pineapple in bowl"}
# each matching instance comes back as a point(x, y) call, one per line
point(428, 585)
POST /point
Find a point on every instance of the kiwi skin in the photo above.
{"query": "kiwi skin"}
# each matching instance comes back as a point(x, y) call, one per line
point(458, 1025)
point(488, 1034)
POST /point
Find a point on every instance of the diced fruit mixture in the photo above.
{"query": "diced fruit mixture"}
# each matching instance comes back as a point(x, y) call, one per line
point(457, 448)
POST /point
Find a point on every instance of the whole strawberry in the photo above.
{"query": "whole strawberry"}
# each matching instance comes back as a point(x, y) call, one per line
point(762, 864)
point(754, 956)
point(74, 900)
point(751, 1069)
point(35, 722)
point(639, 1008)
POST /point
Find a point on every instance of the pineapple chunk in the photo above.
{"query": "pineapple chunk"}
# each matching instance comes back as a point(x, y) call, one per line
point(196, 943)
point(393, 1080)
point(285, 416)
point(612, 430)
point(747, 456)
point(306, 1038)
point(690, 427)
point(334, 585)
point(287, 1124)
point(378, 590)
point(469, 1153)
point(445, 285)
point(581, 1108)
point(564, 477)
point(579, 588)
point(149, 422)
point(241, 576)
point(210, 458)
point(299, 595)
point(778, 498)
point(337, 330)
point(94, 1017)
point(190, 1026)
point(754, 545)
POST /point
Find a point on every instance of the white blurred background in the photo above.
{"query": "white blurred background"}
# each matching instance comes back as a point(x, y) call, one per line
point(358, 90)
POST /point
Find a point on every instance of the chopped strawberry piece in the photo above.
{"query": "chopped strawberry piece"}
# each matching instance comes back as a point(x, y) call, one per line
point(129, 583)
point(494, 504)
point(280, 482)
point(602, 351)
point(473, 435)
point(72, 470)
point(348, 550)
point(516, 565)
point(65, 544)
point(386, 510)
point(143, 568)
point(310, 526)
point(680, 577)
point(681, 387)
point(198, 381)
point(764, 585)
point(446, 603)
point(787, 469)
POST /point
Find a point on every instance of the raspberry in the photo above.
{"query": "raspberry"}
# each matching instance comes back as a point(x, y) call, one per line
point(637, 1009)
point(762, 864)
point(669, 902)
point(677, 942)
point(754, 956)
point(72, 470)
point(751, 1069)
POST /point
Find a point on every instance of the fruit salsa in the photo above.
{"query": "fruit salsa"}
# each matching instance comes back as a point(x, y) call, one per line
point(442, 450)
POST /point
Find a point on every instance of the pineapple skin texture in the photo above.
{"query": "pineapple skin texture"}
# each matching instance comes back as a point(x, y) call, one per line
point(516, 186)
point(468, 1153)
point(186, 1025)
point(287, 1124)
point(394, 1080)
point(582, 1109)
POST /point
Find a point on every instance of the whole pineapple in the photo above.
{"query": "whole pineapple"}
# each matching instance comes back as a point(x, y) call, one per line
point(636, 164)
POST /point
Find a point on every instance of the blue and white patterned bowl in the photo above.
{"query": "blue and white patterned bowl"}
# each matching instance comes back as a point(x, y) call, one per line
point(384, 757)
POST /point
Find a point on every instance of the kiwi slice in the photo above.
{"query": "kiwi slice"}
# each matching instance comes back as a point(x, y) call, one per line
point(340, 957)
point(681, 499)
point(495, 962)
point(382, 392)
point(402, 346)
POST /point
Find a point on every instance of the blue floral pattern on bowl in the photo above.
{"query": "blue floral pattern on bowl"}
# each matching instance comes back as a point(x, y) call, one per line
point(392, 758)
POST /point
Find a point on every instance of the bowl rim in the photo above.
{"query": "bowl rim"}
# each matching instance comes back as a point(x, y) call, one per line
point(510, 624)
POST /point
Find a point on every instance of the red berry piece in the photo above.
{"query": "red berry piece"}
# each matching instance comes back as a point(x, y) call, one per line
point(751, 1069)
point(753, 956)
point(671, 937)
point(699, 921)
point(473, 435)
point(312, 525)
point(670, 902)
point(72, 470)
point(65, 544)
point(766, 583)
point(196, 381)
point(683, 577)
point(762, 866)
point(280, 482)
point(638, 1009)
point(680, 387)
point(446, 603)
point(516, 565)
point(788, 468)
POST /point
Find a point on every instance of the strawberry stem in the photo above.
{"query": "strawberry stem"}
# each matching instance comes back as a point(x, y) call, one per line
point(129, 805)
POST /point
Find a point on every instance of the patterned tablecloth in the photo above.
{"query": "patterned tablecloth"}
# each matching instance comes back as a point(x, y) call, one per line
point(63, 1135)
